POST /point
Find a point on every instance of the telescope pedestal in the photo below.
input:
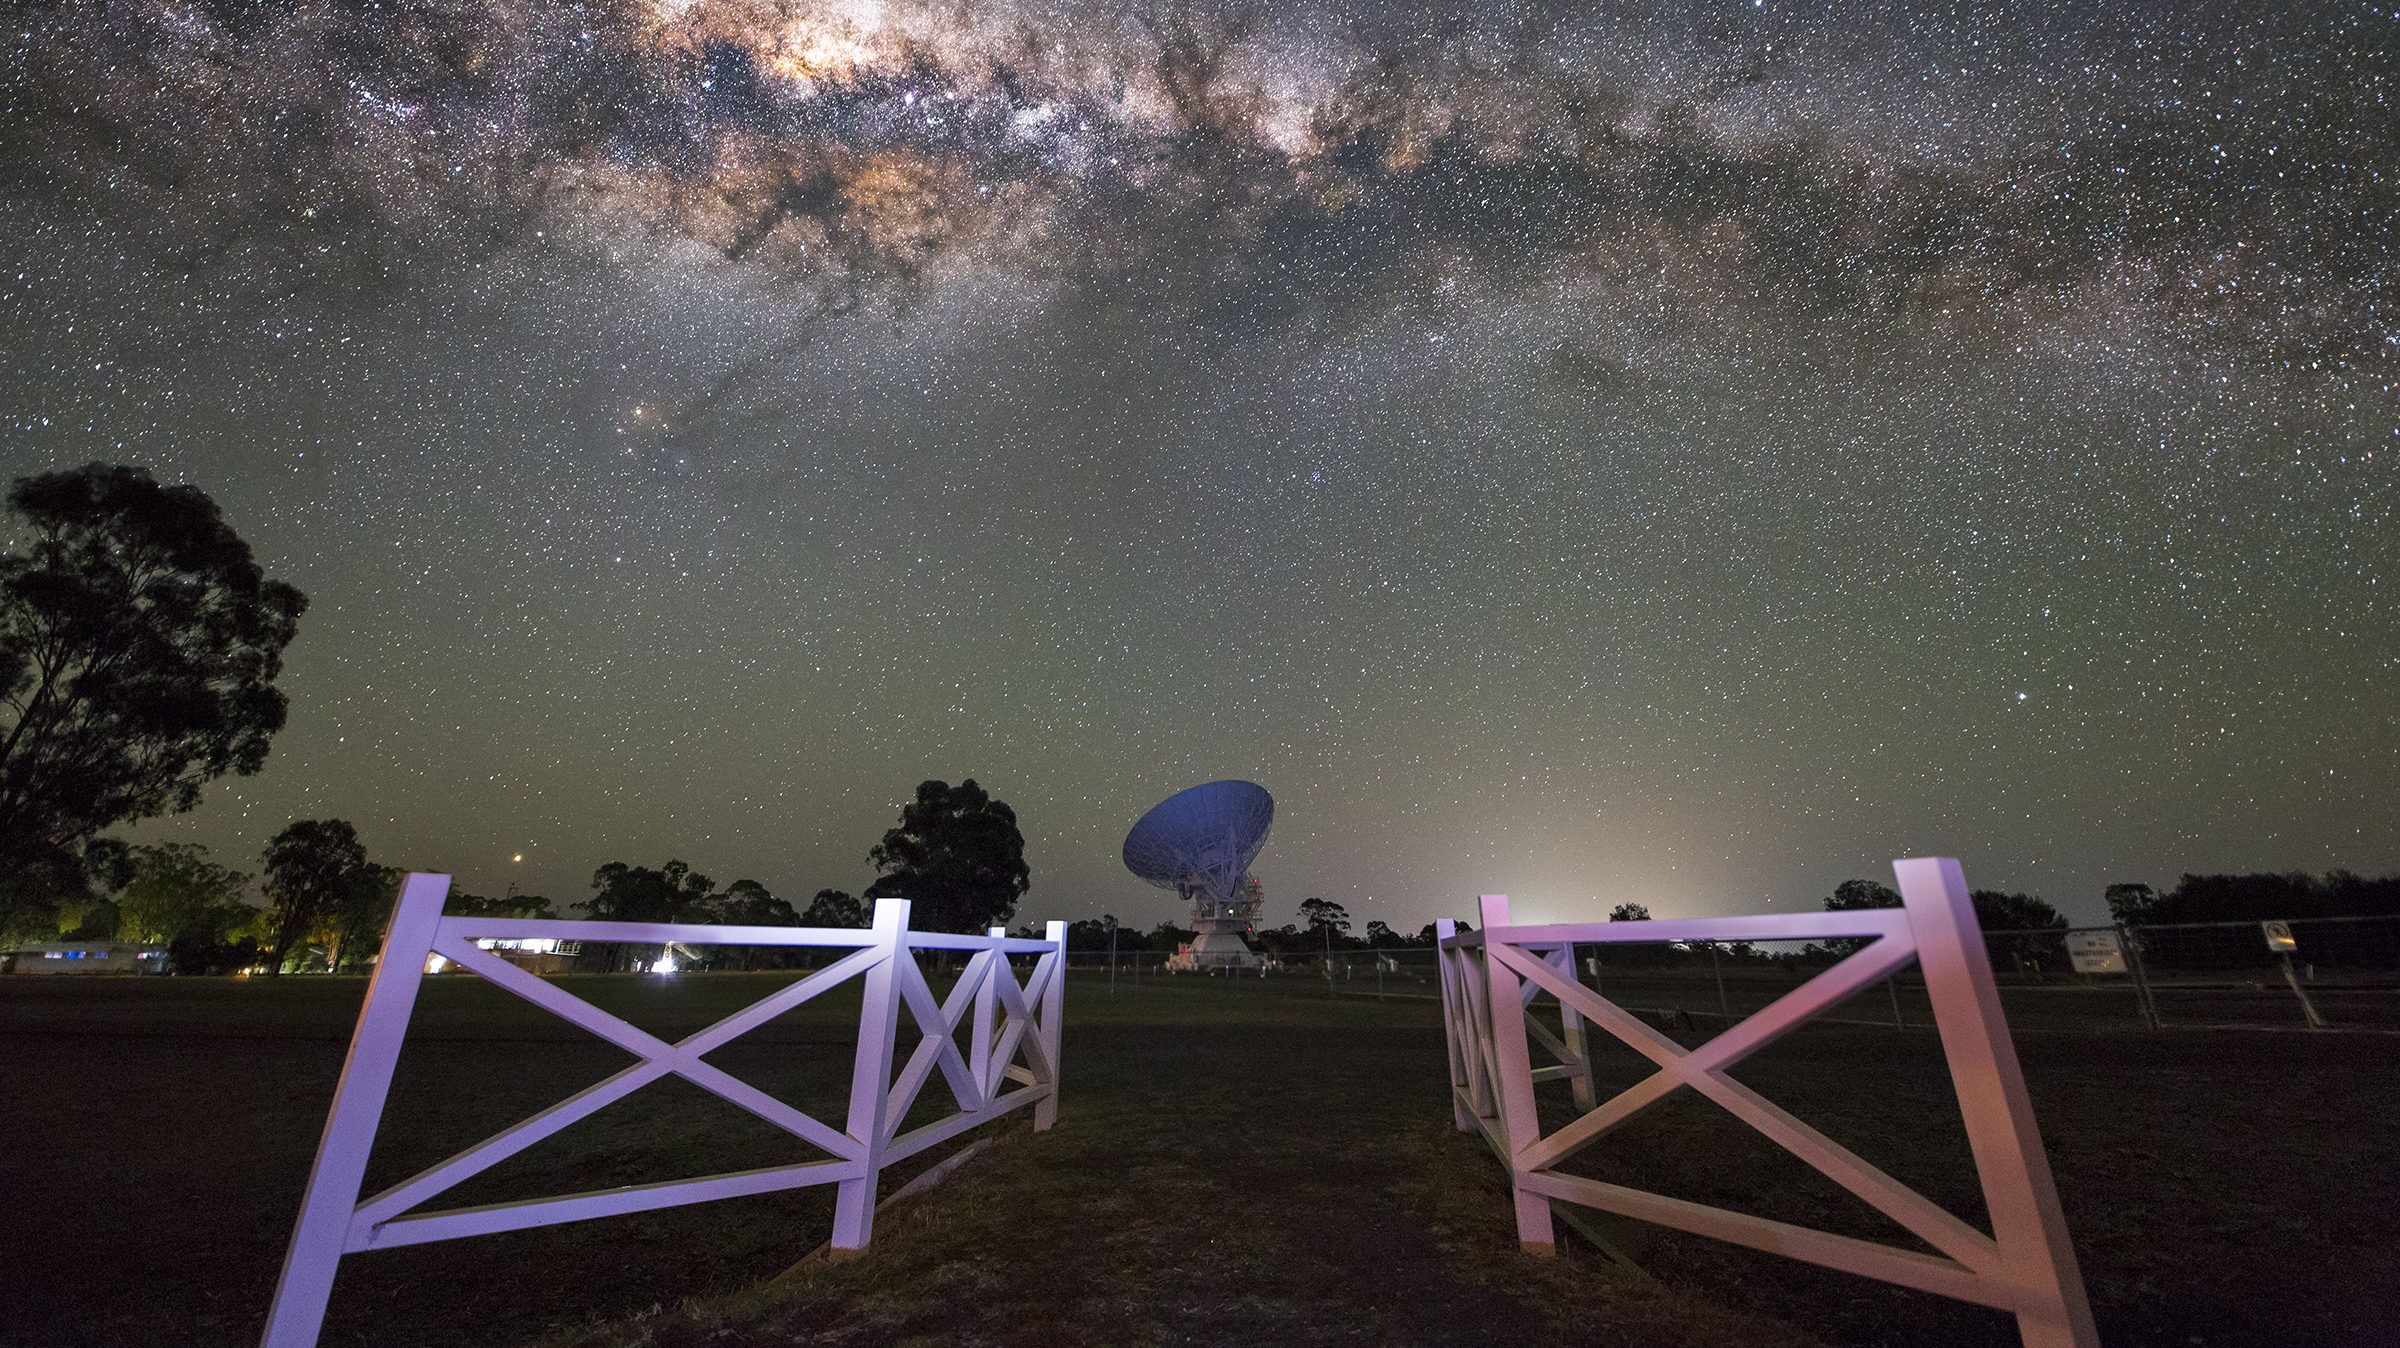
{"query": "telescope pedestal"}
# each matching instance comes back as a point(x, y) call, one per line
point(1217, 943)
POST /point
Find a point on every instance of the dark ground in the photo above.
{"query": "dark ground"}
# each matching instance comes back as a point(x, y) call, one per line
point(1234, 1163)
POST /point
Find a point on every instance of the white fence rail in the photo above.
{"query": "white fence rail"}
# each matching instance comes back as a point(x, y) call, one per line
point(1012, 1060)
point(1490, 979)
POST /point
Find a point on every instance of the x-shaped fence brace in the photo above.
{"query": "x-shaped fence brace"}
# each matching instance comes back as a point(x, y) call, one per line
point(1013, 1042)
point(1491, 977)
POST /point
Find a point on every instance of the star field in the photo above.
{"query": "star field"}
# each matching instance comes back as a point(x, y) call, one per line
point(1687, 453)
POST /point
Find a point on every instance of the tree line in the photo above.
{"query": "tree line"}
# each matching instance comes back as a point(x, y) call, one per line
point(317, 903)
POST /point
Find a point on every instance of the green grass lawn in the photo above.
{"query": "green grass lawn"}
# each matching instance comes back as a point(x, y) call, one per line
point(1234, 1162)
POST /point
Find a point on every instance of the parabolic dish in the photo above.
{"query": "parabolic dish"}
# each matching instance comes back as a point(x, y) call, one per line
point(1202, 841)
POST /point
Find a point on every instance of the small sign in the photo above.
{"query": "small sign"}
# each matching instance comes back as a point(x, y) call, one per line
point(2096, 952)
point(2279, 937)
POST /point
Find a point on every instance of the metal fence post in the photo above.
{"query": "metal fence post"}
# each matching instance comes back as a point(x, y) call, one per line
point(2144, 1001)
point(2308, 1009)
point(1892, 986)
point(1716, 966)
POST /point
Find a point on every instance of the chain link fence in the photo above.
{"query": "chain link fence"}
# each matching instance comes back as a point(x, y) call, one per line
point(2340, 973)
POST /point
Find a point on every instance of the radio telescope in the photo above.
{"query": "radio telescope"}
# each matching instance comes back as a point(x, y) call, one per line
point(1200, 843)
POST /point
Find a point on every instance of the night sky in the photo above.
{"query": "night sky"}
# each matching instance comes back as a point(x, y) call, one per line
point(1680, 452)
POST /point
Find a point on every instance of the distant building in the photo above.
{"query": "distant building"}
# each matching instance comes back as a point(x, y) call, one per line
point(535, 954)
point(84, 957)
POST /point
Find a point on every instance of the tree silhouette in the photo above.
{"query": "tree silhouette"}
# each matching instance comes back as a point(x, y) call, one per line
point(175, 887)
point(1326, 919)
point(956, 856)
point(311, 867)
point(355, 922)
point(672, 893)
point(1852, 895)
point(834, 908)
point(747, 903)
point(510, 905)
point(2131, 904)
point(139, 647)
point(1629, 912)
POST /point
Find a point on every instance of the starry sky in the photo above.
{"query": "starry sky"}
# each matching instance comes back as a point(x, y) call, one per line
point(1681, 451)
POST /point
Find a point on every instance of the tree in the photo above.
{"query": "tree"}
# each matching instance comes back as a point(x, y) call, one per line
point(1629, 912)
point(1381, 936)
point(1852, 895)
point(956, 856)
point(1848, 897)
point(2131, 904)
point(139, 647)
point(30, 894)
point(2032, 948)
point(510, 905)
point(1995, 911)
point(51, 891)
point(1326, 920)
point(222, 939)
point(1284, 940)
point(672, 893)
point(1087, 934)
point(834, 908)
point(747, 903)
point(310, 868)
point(97, 920)
point(175, 887)
point(355, 921)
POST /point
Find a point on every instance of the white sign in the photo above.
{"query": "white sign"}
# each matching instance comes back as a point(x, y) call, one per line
point(2279, 937)
point(2096, 952)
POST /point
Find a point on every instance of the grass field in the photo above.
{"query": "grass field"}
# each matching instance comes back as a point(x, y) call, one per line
point(1234, 1162)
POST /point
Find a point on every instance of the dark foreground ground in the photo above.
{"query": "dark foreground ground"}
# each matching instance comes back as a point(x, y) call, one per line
point(1235, 1163)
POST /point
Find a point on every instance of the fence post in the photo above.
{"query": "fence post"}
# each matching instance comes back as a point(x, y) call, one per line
point(1717, 967)
point(871, 1077)
point(1518, 1122)
point(2036, 1255)
point(322, 1234)
point(987, 1002)
point(1570, 1031)
point(1054, 1001)
point(2308, 1008)
point(1454, 1026)
point(2144, 1001)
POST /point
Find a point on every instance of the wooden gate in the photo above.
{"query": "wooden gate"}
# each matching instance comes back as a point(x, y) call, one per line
point(1490, 978)
point(1012, 1061)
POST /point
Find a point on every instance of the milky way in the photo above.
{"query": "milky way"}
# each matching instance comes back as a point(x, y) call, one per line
point(1679, 452)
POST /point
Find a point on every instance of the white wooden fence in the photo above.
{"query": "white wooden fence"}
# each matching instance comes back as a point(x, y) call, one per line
point(1491, 977)
point(1012, 1060)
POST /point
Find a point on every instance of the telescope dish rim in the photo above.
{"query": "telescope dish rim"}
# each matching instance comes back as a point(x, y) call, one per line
point(1165, 847)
